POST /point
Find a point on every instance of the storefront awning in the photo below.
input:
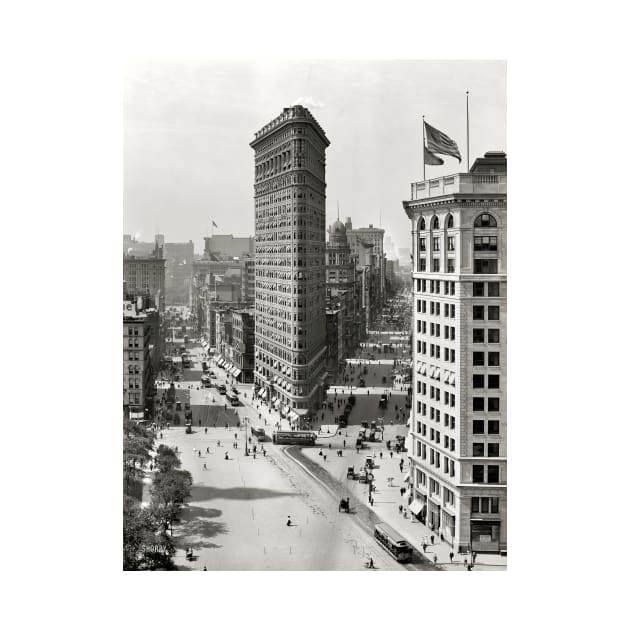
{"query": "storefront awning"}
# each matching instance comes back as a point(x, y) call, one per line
point(236, 372)
point(273, 400)
point(293, 416)
point(264, 394)
point(285, 409)
point(416, 507)
point(276, 404)
point(406, 477)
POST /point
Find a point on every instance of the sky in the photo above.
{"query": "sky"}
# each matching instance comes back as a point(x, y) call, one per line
point(188, 125)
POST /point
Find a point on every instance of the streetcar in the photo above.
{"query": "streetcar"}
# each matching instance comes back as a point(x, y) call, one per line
point(232, 398)
point(259, 433)
point(393, 542)
point(304, 438)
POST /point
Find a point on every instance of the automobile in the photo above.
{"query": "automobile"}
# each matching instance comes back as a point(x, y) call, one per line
point(178, 405)
point(234, 390)
point(352, 399)
point(222, 389)
point(383, 401)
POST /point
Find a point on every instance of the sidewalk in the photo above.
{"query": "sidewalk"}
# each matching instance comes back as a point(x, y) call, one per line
point(387, 499)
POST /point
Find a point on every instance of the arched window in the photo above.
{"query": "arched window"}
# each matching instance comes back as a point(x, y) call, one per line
point(435, 223)
point(485, 221)
point(422, 224)
point(449, 221)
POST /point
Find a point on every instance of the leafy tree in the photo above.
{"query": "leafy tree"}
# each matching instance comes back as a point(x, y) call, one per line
point(171, 488)
point(137, 446)
point(166, 459)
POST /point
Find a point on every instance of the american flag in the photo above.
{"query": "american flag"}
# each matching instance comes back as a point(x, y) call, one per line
point(438, 142)
point(430, 158)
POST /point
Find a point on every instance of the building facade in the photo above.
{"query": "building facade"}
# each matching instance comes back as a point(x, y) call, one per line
point(222, 246)
point(458, 430)
point(373, 238)
point(243, 342)
point(290, 299)
point(341, 285)
point(141, 344)
point(145, 276)
point(178, 272)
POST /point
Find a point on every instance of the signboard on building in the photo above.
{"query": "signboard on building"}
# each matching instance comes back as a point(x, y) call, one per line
point(129, 309)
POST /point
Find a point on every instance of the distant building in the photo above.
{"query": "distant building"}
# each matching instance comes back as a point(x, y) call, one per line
point(335, 347)
point(178, 272)
point(145, 276)
point(290, 207)
point(220, 246)
point(248, 280)
point(243, 323)
point(141, 358)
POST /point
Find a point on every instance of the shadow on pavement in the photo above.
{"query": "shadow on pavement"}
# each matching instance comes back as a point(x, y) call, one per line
point(196, 528)
point(237, 493)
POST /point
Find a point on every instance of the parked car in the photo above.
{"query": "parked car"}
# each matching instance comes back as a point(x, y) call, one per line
point(383, 401)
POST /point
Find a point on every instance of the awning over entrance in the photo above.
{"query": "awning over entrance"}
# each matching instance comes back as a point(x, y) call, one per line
point(264, 393)
point(293, 416)
point(276, 404)
point(285, 409)
point(416, 507)
point(273, 400)
point(237, 372)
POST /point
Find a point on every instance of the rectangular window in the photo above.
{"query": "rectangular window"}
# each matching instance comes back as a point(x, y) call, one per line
point(493, 379)
point(493, 426)
point(485, 505)
point(478, 427)
point(453, 310)
point(479, 381)
point(485, 265)
point(436, 243)
point(478, 449)
point(493, 312)
point(493, 404)
point(474, 504)
point(494, 505)
point(423, 264)
point(485, 243)
point(437, 330)
point(479, 358)
point(493, 335)
point(424, 286)
point(493, 289)
point(478, 335)
point(437, 308)
point(423, 244)
point(435, 265)
point(493, 449)
point(450, 265)
point(451, 243)
point(493, 359)
point(479, 311)
point(478, 289)
point(479, 403)
point(477, 473)
point(493, 474)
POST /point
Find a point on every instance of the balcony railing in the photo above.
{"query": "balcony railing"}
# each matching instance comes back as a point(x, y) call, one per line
point(463, 183)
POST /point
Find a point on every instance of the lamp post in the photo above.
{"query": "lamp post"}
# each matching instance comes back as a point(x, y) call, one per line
point(246, 449)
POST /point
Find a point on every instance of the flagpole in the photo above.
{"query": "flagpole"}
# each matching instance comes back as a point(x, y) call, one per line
point(467, 136)
point(424, 175)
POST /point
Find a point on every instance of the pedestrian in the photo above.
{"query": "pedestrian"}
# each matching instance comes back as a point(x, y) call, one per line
point(160, 435)
point(400, 509)
point(199, 453)
point(435, 558)
point(450, 555)
point(402, 491)
point(218, 442)
point(329, 444)
point(432, 539)
point(226, 455)
point(324, 457)
point(208, 450)
point(204, 466)
point(371, 563)
point(424, 547)
point(381, 454)
point(391, 454)
point(288, 521)
point(206, 430)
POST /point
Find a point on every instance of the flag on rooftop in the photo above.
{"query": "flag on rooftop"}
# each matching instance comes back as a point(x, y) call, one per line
point(438, 142)
point(214, 224)
point(430, 158)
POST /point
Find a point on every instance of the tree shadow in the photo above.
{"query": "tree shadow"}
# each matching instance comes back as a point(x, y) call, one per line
point(236, 493)
point(197, 528)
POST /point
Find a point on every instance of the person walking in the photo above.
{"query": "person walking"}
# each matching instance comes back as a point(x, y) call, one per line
point(424, 546)
point(432, 539)
point(288, 521)
point(208, 450)
point(435, 558)
point(204, 466)
point(450, 555)
point(206, 430)
point(371, 563)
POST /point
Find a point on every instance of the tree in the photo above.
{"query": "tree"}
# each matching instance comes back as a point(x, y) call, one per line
point(171, 488)
point(137, 447)
point(166, 459)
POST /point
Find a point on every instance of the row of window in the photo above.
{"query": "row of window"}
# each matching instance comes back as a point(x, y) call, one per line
point(484, 220)
point(479, 427)
point(479, 335)
point(435, 308)
point(490, 404)
point(483, 449)
point(479, 381)
point(435, 330)
point(485, 474)
point(434, 286)
point(482, 289)
point(479, 359)
point(450, 243)
point(435, 265)
point(434, 351)
point(493, 312)
point(484, 505)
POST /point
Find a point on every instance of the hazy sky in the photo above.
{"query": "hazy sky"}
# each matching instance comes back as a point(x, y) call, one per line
point(188, 125)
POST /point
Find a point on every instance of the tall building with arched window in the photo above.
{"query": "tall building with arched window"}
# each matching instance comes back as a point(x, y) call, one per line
point(458, 429)
point(290, 291)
